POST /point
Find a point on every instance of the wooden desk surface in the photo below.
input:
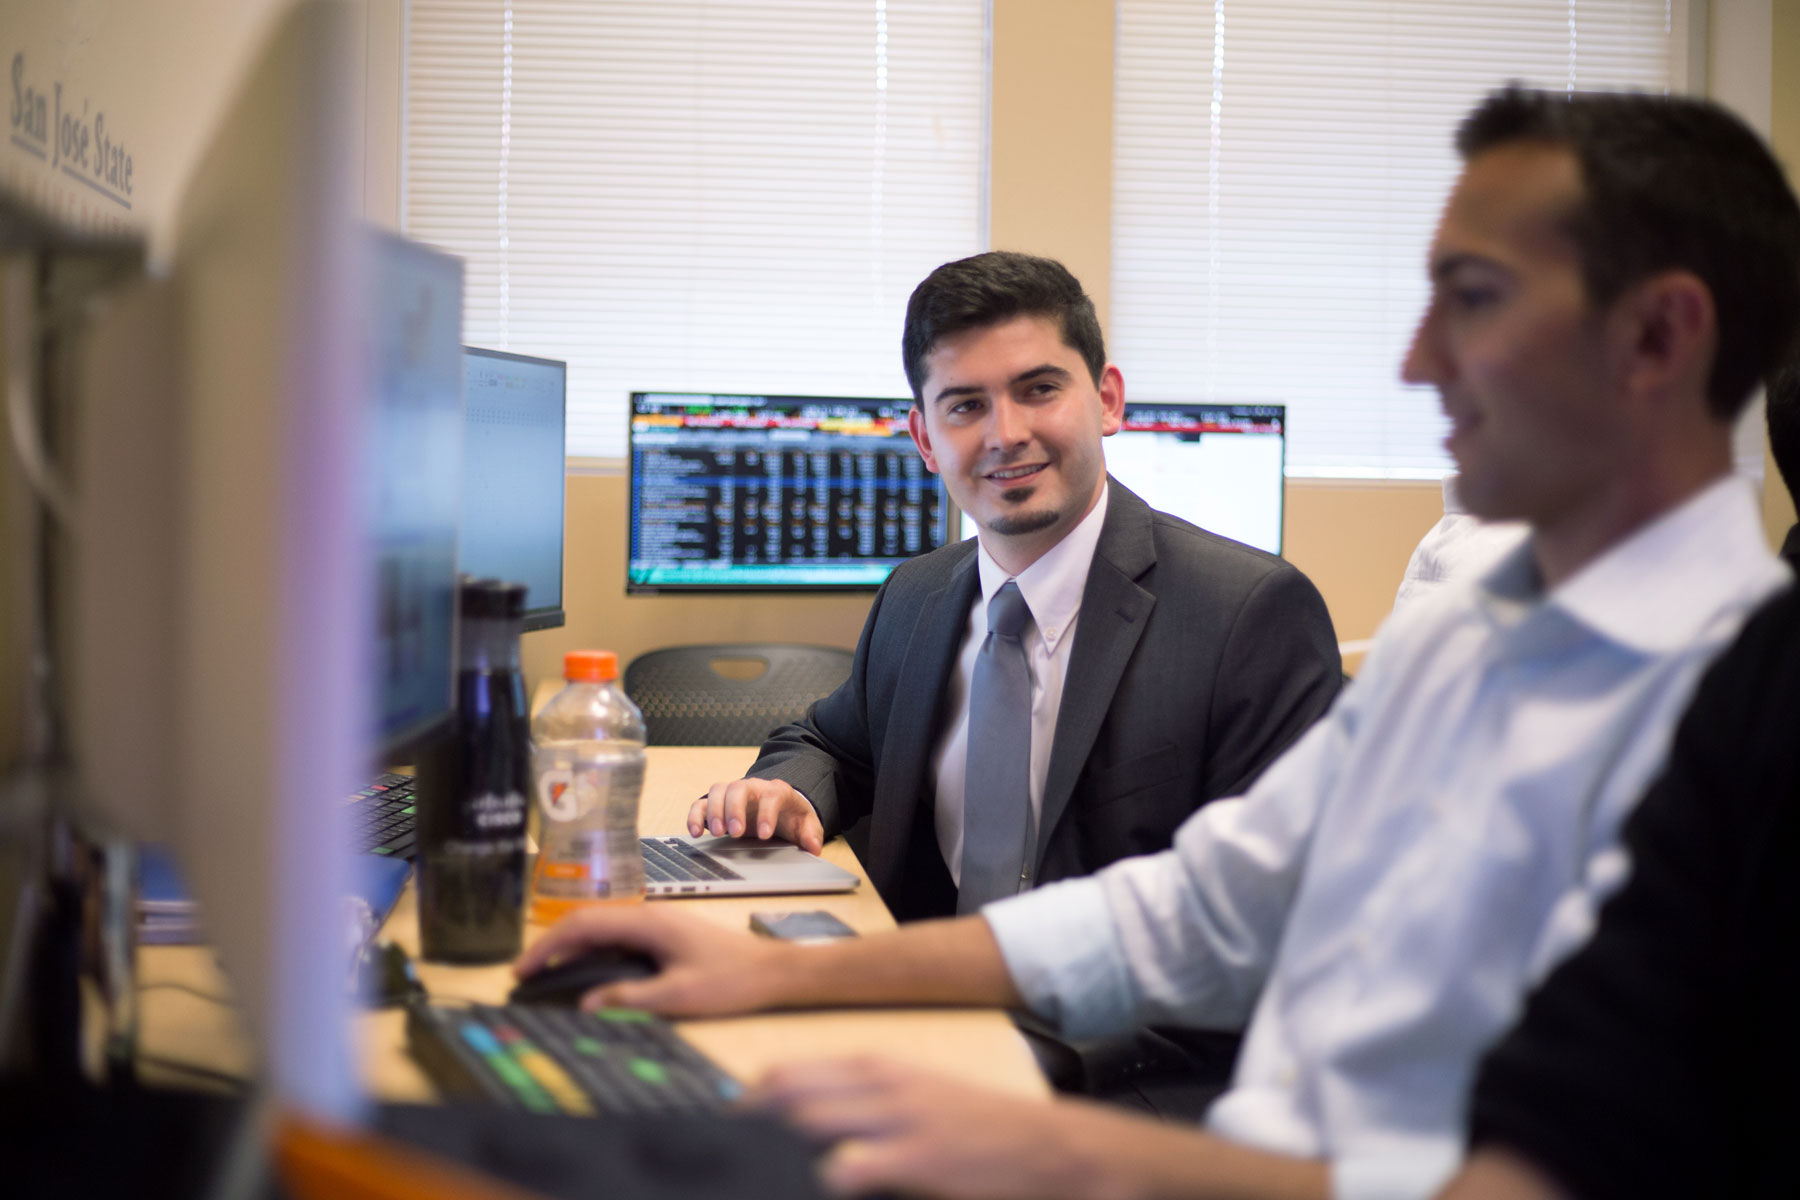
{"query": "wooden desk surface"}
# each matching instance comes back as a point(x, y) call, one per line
point(979, 1045)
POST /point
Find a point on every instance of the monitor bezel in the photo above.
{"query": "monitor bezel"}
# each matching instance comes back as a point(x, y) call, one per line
point(550, 616)
point(948, 515)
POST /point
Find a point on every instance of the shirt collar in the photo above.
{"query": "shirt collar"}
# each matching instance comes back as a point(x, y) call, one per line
point(1052, 585)
point(1660, 588)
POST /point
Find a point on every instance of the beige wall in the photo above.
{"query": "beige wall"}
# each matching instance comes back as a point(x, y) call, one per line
point(1784, 133)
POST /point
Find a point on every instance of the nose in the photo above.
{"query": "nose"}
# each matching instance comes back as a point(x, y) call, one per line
point(1424, 361)
point(1006, 426)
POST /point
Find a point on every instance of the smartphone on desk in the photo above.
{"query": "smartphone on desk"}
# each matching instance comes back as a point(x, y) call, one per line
point(813, 926)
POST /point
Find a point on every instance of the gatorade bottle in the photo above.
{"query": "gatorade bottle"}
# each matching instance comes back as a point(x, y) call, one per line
point(589, 761)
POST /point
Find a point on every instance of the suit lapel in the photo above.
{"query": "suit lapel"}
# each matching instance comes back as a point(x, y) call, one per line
point(1114, 610)
point(917, 708)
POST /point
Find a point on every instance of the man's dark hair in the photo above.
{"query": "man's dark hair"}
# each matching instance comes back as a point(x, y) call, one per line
point(1783, 392)
point(973, 293)
point(1671, 182)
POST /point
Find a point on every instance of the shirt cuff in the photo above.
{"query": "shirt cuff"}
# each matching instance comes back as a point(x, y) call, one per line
point(1062, 950)
point(1417, 1173)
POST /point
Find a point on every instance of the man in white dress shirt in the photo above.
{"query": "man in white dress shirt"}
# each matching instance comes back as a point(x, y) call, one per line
point(1610, 276)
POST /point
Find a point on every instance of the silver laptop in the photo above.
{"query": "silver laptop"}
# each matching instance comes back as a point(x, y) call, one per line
point(724, 866)
point(713, 866)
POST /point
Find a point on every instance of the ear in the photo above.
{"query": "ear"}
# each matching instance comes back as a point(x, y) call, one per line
point(915, 425)
point(1671, 334)
point(1112, 400)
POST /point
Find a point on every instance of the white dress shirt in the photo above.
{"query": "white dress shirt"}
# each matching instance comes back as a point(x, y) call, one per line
point(1381, 899)
point(1052, 588)
point(1460, 546)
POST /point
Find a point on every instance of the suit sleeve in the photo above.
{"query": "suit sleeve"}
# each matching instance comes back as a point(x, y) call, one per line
point(1279, 674)
point(827, 755)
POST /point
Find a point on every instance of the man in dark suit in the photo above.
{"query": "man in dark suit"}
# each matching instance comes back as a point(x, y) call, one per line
point(1167, 665)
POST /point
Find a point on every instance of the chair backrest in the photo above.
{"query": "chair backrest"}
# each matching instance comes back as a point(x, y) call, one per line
point(730, 695)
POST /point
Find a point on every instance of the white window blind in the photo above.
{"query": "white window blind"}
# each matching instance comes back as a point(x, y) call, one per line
point(696, 195)
point(1279, 167)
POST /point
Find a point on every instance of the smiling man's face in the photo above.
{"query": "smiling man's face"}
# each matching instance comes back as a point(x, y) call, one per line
point(1011, 419)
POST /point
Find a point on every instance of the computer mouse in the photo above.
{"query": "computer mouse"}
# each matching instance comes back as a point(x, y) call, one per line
point(566, 982)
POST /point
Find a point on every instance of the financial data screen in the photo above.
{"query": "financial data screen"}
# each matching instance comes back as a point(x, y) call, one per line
point(779, 492)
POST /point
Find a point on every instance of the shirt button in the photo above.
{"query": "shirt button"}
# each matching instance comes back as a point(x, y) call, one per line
point(1050, 635)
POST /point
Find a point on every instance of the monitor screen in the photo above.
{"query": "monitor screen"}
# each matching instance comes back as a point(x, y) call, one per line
point(417, 455)
point(513, 454)
point(1217, 465)
point(775, 492)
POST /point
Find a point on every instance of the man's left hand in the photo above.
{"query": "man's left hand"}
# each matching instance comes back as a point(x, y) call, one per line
point(898, 1128)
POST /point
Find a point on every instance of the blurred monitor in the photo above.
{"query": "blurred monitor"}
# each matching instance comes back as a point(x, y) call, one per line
point(1218, 465)
point(512, 481)
point(779, 493)
point(414, 479)
point(224, 651)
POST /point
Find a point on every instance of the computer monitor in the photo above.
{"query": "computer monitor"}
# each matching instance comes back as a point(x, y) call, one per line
point(512, 490)
point(1217, 465)
point(737, 492)
point(414, 484)
point(223, 657)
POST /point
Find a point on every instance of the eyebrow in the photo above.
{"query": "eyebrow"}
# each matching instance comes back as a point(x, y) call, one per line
point(1442, 268)
point(1041, 371)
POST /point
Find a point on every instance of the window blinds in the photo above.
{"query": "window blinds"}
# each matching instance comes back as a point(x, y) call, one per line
point(696, 195)
point(1279, 166)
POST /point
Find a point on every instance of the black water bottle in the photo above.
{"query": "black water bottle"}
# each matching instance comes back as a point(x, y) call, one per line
point(473, 790)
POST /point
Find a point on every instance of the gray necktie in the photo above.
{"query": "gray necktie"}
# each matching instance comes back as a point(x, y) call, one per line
point(997, 788)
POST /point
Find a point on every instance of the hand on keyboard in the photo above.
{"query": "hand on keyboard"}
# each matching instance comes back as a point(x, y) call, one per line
point(895, 1127)
point(757, 808)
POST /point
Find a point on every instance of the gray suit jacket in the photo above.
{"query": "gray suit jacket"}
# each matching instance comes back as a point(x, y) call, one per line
point(1196, 661)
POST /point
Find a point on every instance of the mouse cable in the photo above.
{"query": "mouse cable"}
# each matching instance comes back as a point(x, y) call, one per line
point(236, 1083)
point(172, 985)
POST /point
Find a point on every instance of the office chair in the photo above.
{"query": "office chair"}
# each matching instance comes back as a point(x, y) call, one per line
point(730, 695)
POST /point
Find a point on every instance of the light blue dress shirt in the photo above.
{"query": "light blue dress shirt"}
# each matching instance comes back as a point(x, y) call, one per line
point(1377, 905)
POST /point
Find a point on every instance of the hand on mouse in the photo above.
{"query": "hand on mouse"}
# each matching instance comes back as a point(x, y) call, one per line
point(706, 970)
point(758, 808)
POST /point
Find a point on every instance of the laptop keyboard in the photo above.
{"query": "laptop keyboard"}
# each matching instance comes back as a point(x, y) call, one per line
point(382, 821)
point(381, 817)
point(671, 860)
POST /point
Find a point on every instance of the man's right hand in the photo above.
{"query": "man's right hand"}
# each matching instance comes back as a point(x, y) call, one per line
point(759, 808)
point(710, 971)
point(706, 970)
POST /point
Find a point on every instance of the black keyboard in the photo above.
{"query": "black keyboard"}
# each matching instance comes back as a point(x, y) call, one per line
point(671, 860)
point(381, 817)
point(549, 1059)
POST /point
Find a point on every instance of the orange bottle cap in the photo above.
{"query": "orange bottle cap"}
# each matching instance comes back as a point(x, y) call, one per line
point(590, 666)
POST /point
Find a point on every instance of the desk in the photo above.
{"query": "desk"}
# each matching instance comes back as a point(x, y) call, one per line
point(979, 1045)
